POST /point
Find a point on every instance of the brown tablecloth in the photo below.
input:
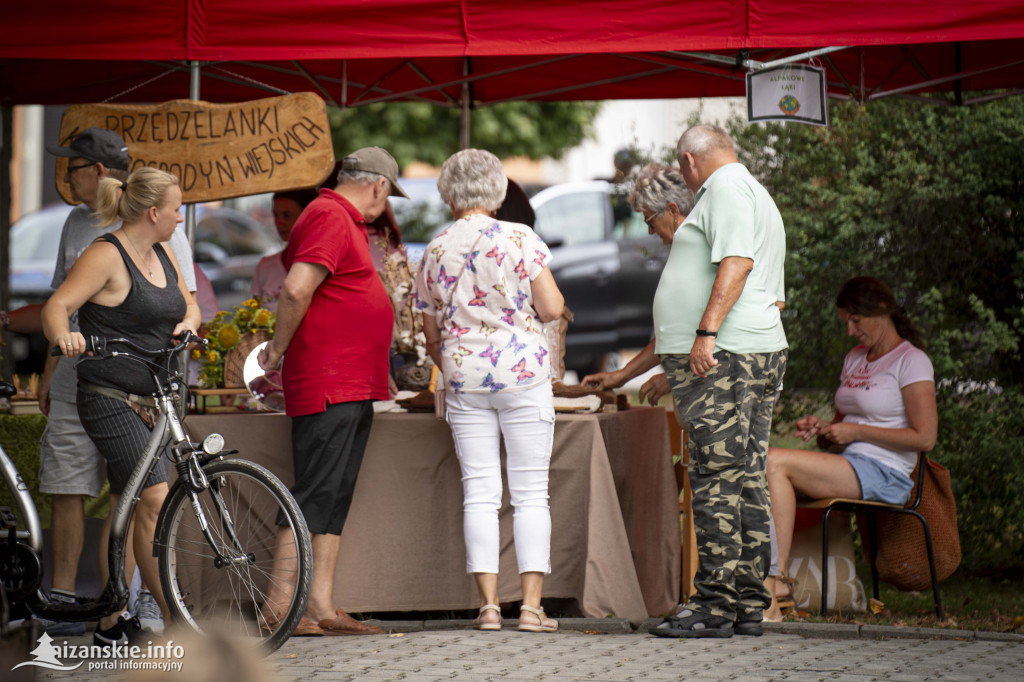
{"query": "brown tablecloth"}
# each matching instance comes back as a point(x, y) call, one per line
point(614, 512)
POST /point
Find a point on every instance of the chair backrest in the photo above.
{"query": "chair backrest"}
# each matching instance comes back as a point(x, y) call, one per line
point(922, 462)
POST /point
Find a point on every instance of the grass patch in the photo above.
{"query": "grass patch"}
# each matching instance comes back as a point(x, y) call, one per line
point(993, 603)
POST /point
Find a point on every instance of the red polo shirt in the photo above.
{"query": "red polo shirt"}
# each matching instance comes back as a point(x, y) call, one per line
point(340, 351)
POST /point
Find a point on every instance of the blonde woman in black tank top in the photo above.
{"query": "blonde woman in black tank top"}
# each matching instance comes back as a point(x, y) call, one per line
point(128, 285)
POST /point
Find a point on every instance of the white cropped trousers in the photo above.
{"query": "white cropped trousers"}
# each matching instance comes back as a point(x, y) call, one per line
point(526, 419)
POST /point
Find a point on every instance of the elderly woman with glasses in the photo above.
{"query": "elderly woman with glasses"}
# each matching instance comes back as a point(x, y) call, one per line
point(483, 289)
point(661, 194)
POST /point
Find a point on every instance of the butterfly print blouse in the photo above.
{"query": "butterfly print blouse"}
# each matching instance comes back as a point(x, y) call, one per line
point(475, 281)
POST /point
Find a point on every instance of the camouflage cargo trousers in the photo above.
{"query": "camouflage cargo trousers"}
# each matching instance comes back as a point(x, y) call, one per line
point(728, 416)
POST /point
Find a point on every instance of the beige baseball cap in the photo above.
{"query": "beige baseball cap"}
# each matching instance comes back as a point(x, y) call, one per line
point(375, 160)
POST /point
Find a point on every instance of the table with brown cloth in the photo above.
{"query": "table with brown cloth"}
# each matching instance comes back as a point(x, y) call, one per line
point(614, 513)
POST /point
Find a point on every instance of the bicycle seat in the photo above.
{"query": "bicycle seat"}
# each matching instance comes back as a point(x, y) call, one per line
point(7, 390)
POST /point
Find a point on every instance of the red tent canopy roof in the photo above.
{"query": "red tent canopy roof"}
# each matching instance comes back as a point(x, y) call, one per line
point(63, 51)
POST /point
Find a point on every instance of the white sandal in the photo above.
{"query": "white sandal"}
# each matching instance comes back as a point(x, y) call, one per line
point(540, 626)
point(479, 624)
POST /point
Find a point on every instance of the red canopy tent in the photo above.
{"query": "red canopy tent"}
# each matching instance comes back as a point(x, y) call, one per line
point(358, 51)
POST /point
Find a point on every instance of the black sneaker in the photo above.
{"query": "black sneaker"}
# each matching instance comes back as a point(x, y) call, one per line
point(751, 628)
point(125, 631)
point(689, 623)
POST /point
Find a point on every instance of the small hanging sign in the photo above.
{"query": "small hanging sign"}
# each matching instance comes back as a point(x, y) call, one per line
point(795, 92)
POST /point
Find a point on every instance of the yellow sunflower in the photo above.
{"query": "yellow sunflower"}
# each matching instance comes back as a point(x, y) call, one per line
point(228, 336)
point(262, 318)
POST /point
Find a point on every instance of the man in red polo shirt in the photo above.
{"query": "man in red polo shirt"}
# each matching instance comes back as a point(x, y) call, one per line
point(335, 319)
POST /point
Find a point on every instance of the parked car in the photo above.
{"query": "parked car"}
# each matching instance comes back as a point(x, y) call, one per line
point(603, 259)
point(606, 265)
point(34, 242)
point(228, 245)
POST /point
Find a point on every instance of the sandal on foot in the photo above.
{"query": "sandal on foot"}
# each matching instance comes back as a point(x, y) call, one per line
point(305, 627)
point(688, 623)
point(544, 623)
point(480, 624)
point(786, 602)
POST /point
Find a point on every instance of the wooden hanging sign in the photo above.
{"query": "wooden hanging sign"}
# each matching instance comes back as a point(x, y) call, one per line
point(218, 151)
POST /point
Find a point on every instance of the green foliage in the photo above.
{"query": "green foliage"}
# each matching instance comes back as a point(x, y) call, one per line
point(20, 436)
point(981, 441)
point(929, 199)
point(430, 133)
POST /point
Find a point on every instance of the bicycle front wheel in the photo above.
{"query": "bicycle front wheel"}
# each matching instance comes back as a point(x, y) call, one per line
point(249, 575)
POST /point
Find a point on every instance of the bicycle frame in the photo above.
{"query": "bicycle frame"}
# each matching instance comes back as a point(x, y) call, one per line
point(167, 431)
point(33, 533)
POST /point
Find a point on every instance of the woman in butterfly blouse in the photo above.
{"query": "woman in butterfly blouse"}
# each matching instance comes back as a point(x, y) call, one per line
point(484, 289)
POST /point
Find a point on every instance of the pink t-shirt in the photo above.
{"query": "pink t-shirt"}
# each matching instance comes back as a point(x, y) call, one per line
point(491, 339)
point(340, 350)
point(869, 393)
point(268, 280)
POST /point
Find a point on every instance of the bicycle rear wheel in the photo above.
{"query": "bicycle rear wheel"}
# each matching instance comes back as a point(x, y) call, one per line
point(255, 586)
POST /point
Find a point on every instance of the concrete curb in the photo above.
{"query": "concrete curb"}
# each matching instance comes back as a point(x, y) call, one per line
point(621, 626)
point(602, 626)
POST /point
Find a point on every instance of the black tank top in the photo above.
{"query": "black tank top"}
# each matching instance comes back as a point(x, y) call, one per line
point(147, 316)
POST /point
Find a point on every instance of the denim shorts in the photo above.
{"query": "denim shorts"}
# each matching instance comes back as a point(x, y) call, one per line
point(879, 482)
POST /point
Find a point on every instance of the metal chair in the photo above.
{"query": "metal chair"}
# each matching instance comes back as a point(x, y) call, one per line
point(870, 509)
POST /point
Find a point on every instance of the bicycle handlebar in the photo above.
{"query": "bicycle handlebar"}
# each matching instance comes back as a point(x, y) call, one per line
point(98, 345)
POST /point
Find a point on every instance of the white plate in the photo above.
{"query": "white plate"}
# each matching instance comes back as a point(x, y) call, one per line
point(266, 388)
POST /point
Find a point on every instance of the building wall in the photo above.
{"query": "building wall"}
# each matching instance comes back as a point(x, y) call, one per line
point(651, 125)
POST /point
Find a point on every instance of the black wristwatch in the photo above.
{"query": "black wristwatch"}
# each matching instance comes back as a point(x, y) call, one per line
point(705, 332)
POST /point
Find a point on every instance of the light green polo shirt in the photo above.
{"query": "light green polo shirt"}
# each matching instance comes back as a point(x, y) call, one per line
point(733, 216)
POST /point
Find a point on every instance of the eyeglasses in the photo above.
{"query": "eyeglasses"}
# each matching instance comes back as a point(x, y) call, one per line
point(72, 169)
point(650, 220)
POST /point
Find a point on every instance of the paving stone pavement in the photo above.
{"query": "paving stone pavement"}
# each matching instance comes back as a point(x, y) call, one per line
point(809, 653)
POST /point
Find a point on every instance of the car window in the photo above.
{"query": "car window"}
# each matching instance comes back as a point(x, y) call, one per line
point(420, 220)
point(233, 233)
point(628, 223)
point(573, 218)
point(423, 214)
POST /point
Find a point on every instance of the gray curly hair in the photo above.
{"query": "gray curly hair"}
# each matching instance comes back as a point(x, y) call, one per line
point(472, 178)
point(656, 186)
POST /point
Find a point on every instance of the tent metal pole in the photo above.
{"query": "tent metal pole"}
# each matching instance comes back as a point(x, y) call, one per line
point(190, 209)
point(193, 93)
point(6, 140)
point(753, 64)
point(464, 123)
point(947, 79)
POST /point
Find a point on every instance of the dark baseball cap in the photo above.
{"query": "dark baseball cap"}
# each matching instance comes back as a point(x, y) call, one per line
point(375, 160)
point(98, 145)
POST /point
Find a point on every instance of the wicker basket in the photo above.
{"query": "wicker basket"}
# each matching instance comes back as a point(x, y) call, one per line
point(234, 361)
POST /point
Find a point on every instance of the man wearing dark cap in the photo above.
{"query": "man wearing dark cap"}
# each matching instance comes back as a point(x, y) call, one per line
point(335, 320)
point(69, 464)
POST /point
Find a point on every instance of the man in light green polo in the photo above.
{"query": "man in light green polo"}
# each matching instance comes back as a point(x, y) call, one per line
point(719, 335)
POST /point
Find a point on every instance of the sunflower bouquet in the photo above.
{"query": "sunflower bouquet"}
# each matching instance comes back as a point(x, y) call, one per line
point(227, 331)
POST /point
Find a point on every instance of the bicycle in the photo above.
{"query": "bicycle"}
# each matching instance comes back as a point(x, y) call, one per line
point(216, 535)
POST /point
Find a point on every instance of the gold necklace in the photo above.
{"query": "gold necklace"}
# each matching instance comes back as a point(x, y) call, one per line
point(145, 260)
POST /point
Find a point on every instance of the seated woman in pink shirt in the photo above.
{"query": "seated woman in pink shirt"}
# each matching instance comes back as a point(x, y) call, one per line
point(885, 415)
